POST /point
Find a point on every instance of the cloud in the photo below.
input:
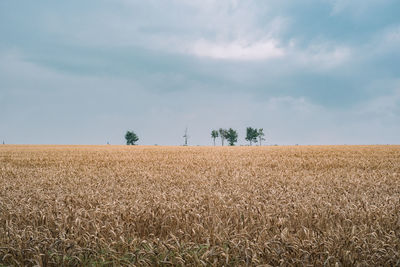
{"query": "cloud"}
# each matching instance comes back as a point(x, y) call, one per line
point(322, 56)
point(238, 50)
point(295, 105)
point(356, 7)
point(390, 38)
point(385, 106)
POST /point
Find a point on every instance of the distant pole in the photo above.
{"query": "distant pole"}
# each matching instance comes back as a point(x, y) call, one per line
point(3, 142)
point(186, 136)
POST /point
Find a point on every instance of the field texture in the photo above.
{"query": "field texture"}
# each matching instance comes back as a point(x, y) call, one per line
point(120, 205)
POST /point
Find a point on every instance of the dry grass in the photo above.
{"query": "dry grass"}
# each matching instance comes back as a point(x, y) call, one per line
point(119, 205)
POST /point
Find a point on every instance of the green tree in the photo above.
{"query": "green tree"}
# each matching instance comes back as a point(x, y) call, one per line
point(251, 135)
point(261, 135)
point(231, 136)
point(214, 135)
point(222, 134)
point(131, 138)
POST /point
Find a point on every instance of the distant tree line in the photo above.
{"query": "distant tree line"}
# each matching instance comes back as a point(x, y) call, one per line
point(253, 135)
point(230, 135)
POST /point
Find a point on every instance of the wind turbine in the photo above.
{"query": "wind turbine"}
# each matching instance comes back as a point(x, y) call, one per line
point(186, 136)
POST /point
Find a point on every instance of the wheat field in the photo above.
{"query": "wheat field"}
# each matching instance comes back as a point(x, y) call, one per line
point(222, 206)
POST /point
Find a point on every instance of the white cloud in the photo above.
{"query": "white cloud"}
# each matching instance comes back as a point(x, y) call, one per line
point(355, 7)
point(384, 42)
point(290, 103)
point(391, 37)
point(237, 50)
point(386, 106)
point(321, 56)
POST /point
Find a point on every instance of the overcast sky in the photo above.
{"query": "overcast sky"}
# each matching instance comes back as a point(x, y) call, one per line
point(308, 72)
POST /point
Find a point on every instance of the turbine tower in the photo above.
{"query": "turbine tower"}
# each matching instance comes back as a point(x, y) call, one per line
point(186, 136)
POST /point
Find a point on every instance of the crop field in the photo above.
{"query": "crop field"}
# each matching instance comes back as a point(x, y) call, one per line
point(138, 205)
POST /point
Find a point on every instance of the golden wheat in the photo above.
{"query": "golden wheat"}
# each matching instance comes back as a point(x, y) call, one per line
point(120, 205)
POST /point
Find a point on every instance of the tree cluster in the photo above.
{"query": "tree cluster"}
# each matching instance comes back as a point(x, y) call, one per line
point(253, 135)
point(230, 135)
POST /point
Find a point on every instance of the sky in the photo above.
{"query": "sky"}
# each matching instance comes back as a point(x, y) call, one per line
point(308, 72)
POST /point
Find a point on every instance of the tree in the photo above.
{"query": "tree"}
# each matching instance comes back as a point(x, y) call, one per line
point(251, 135)
point(131, 138)
point(261, 135)
point(214, 134)
point(222, 134)
point(231, 136)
